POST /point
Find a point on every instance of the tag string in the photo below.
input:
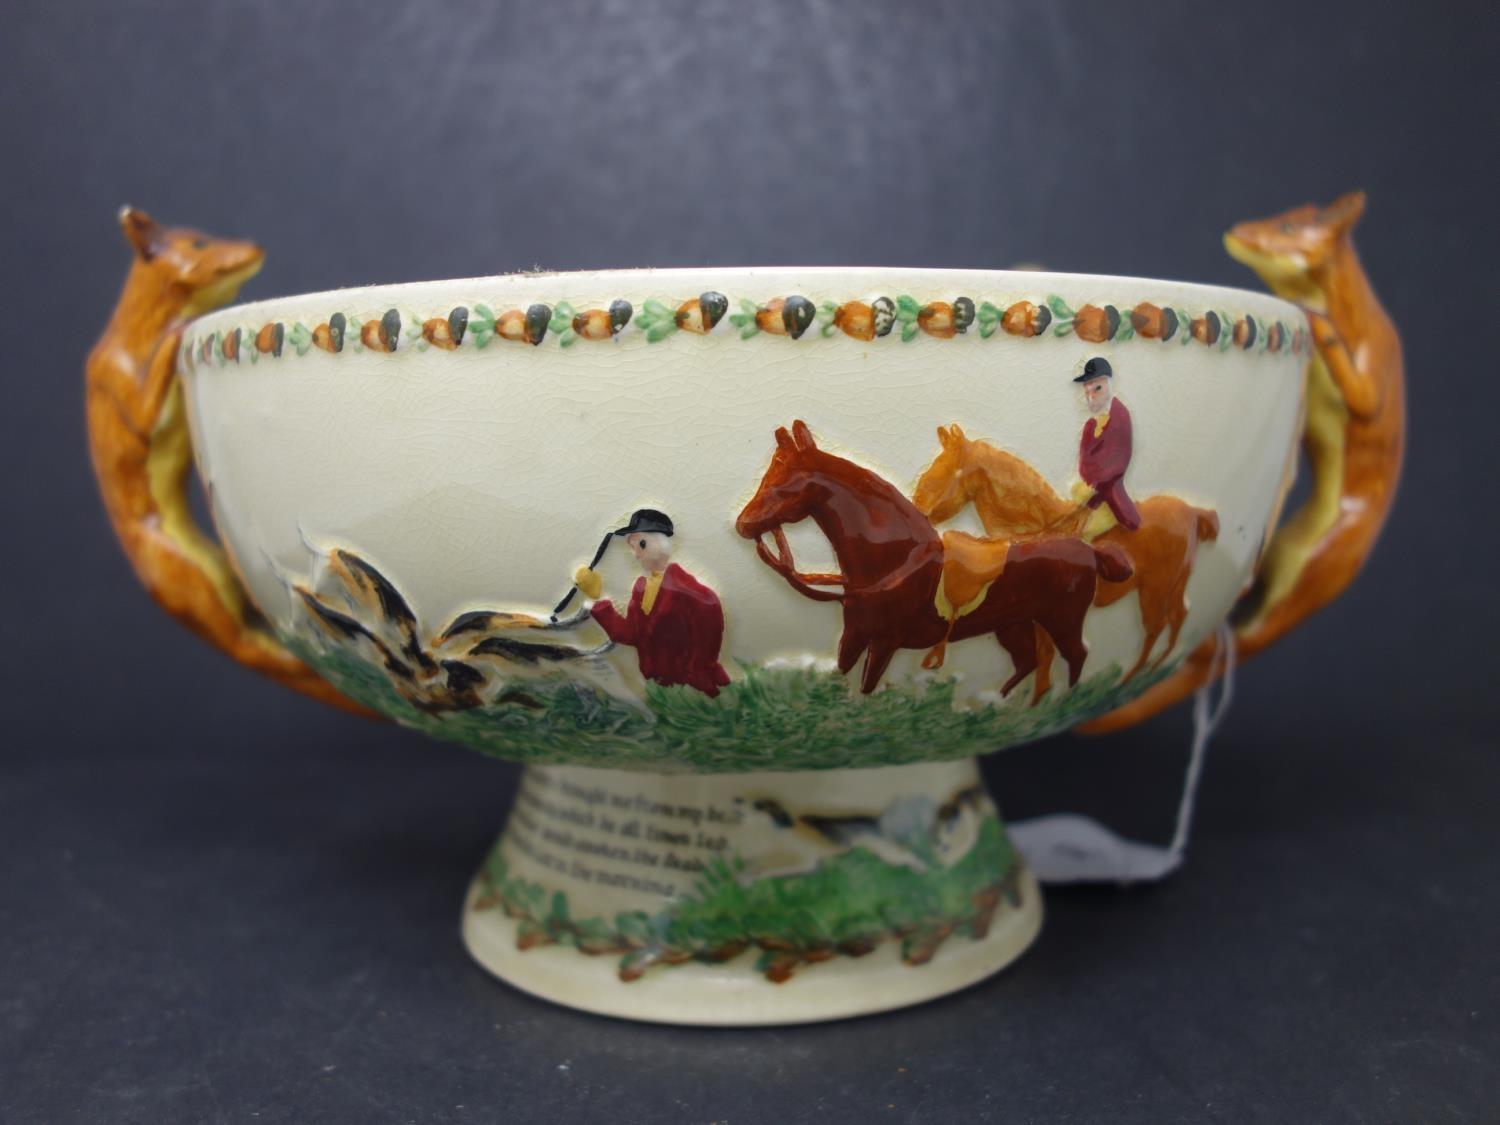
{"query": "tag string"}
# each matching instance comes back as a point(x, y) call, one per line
point(1207, 714)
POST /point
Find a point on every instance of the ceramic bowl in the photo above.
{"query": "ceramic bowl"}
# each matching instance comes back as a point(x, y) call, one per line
point(436, 461)
point(746, 565)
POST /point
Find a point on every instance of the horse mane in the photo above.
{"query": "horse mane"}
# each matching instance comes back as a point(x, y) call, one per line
point(868, 481)
point(1022, 503)
point(867, 485)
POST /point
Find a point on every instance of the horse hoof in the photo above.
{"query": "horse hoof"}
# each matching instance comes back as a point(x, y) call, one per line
point(933, 660)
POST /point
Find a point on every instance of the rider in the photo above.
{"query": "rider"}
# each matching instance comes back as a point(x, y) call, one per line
point(1104, 454)
point(674, 622)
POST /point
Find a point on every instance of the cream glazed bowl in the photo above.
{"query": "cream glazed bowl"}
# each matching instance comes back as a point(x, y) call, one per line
point(822, 519)
point(745, 565)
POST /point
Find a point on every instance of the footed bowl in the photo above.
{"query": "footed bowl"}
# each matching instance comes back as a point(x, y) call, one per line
point(745, 565)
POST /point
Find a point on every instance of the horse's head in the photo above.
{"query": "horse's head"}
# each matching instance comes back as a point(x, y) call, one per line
point(789, 488)
point(942, 491)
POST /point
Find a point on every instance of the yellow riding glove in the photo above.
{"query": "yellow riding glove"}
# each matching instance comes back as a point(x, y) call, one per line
point(588, 581)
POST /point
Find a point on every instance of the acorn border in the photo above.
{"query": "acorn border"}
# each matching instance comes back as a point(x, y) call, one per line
point(793, 317)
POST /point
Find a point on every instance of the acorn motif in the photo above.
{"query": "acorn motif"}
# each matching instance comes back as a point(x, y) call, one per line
point(702, 313)
point(599, 324)
point(229, 347)
point(446, 332)
point(1025, 319)
point(786, 316)
point(866, 321)
point(382, 335)
point(1096, 325)
point(529, 327)
point(1299, 339)
point(1244, 333)
point(1275, 337)
point(1152, 322)
point(269, 339)
point(944, 320)
point(1205, 329)
point(206, 349)
point(330, 336)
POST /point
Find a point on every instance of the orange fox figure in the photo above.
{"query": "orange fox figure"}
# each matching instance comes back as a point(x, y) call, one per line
point(141, 451)
point(1354, 436)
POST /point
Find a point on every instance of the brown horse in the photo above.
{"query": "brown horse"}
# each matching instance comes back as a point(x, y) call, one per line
point(891, 559)
point(1014, 501)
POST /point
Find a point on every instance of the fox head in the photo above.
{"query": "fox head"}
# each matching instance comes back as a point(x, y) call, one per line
point(210, 269)
point(1286, 249)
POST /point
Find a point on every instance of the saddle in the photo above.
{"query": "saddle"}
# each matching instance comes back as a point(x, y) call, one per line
point(970, 567)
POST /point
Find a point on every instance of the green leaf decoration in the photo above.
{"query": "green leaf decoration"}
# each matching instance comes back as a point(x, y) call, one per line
point(748, 330)
point(660, 331)
point(1064, 328)
point(299, 337)
point(908, 332)
point(562, 318)
point(482, 335)
point(656, 310)
point(1059, 308)
point(907, 307)
point(988, 330)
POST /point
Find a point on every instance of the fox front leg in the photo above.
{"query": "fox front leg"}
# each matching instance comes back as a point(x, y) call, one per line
point(1358, 389)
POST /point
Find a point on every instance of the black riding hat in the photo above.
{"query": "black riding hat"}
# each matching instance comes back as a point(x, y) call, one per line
point(1096, 368)
point(647, 519)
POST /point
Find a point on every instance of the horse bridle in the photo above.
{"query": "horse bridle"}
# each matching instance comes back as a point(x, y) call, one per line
point(785, 565)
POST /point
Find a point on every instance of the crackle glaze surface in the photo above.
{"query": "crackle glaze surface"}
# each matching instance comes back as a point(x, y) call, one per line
point(468, 478)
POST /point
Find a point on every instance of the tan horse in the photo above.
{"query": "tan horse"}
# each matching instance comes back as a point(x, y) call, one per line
point(1015, 502)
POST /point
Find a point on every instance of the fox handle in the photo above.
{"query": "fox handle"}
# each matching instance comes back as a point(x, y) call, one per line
point(1353, 438)
point(143, 457)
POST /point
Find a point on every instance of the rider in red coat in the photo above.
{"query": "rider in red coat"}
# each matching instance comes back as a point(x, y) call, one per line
point(1104, 450)
point(674, 622)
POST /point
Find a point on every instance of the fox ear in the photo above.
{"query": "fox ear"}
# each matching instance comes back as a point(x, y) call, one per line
point(1344, 211)
point(784, 440)
point(142, 232)
point(945, 437)
point(957, 431)
point(803, 436)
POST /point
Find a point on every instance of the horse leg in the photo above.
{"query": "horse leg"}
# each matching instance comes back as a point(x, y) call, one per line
point(1146, 647)
point(851, 646)
point(1065, 624)
point(1045, 652)
point(1153, 619)
point(1019, 639)
point(934, 658)
point(876, 662)
point(1176, 616)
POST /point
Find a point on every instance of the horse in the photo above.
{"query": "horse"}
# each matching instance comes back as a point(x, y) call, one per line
point(1015, 501)
point(890, 561)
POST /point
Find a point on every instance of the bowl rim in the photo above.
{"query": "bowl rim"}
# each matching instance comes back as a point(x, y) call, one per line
point(675, 281)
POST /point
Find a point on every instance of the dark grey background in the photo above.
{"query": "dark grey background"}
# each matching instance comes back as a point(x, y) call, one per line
point(223, 903)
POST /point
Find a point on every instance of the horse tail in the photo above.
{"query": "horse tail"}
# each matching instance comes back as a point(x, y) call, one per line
point(1113, 563)
point(1208, 525)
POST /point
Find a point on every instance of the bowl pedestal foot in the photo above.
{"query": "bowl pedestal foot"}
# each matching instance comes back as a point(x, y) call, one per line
point(751, 898)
